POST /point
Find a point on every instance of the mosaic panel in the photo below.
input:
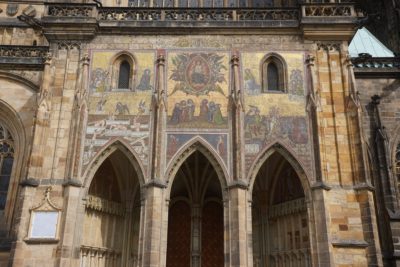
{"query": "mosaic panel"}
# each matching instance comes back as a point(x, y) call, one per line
point(272, 117)
point(198, 90)
point(117, 113)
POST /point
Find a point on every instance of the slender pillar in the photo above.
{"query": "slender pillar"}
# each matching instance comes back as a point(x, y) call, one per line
point(238, 232)
point(154, 247)
point(196, 236)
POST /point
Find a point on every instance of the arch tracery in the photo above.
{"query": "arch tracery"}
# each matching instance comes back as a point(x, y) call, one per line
point(197, 144)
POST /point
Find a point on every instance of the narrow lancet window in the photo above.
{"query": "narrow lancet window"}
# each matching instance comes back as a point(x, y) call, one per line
point(273, 74)
point(124, 72)
point(272, 77)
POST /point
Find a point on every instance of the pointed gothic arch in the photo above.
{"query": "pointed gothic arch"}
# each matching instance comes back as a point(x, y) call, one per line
point(201, 145)
point(109, 148)
point(296, 163)
point(20, 79)
point(281, 213)
point(10, 119)
point(113, 207)
point(196, 187)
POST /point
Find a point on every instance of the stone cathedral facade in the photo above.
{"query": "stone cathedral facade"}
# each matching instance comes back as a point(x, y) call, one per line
point(206, 133)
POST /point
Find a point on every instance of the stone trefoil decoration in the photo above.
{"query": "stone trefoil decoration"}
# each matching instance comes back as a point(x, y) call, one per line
point(44, 223)
point(198, 74)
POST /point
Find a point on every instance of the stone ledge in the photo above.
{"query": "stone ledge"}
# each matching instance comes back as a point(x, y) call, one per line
point(344, 243)
point(73, 182)
point(41, 241)
point(320, 185)
point(32, 182)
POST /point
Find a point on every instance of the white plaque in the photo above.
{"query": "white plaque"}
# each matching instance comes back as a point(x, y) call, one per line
point(44, 224)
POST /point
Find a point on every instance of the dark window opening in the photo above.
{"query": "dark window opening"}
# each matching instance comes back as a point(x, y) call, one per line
point(272, 77)
point(124, 73)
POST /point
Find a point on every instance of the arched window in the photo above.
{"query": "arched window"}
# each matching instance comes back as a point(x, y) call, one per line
point(272, 77)
point(124, 73)
point(122, 69)
point(273, 71)
point(6, 163)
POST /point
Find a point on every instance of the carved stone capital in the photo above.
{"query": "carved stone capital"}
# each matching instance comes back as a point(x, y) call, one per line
point(160, 60)
point(329, 47)
point(85, 60)
point(69, 45)
point(235, 60)
point(310, 59)
point(47, 58)
point(156, 183)
point(238, 184)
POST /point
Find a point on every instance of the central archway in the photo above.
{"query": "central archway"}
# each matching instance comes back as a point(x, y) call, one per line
point(196, 219)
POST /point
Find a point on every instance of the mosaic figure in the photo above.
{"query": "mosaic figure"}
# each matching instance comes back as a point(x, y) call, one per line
point(250, 84)
point(144, 83)
point(198, 73)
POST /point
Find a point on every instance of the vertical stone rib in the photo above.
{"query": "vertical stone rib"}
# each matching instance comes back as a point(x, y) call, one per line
point(153, 221)
point(313, 104)
point(42, 120)
point(237, 104)
point(159, 118)
point(78, 118)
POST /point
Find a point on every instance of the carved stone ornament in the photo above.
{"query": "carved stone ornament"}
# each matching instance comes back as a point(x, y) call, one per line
point(29, 11)
point(46, 204)
point(12, 9)
point(69, 45)
point(330, 47)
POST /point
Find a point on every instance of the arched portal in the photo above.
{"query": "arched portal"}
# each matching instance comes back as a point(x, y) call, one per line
point(279, 216)
point(195, 221)
point(112, 215)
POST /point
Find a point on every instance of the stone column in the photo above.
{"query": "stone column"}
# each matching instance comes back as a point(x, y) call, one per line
point(68, 249)
point(362, 182)
point(319, 241)
point(154, 247)
point(238, 228)
point(42, 120)
point(78, 123)
point(237, 105)
point(196, 235)
point(335, 197)
point(153, 226)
